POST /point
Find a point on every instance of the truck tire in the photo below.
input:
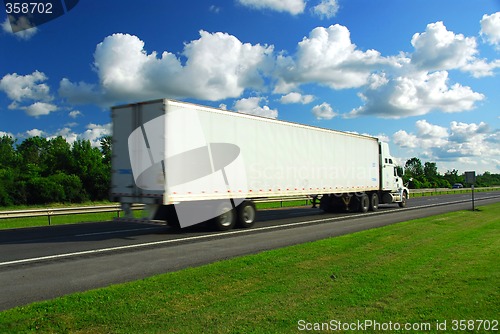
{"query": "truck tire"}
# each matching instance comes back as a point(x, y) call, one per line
point(402, 204)
point(326, 203)
point(225, 220)
point(364, 203)
point(245, 214)
point(374, 202)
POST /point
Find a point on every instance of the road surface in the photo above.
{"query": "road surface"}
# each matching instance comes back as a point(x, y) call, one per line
point(46, 262)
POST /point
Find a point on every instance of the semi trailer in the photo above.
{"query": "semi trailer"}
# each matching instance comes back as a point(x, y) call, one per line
point(190, 164)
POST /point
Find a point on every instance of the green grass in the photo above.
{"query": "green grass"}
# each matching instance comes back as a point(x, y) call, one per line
point(427, 270)
point(285, 204)
point(10, 223)
point(54, 220)
point(413, 192)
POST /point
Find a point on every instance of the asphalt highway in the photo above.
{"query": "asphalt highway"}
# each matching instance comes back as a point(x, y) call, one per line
point(46, 262)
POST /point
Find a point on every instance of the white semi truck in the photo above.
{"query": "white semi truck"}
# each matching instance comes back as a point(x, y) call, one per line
point(190, 164)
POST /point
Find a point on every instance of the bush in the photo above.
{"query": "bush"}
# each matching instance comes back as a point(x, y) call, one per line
point(5, 199)
point(42, 190)
point(72, 186)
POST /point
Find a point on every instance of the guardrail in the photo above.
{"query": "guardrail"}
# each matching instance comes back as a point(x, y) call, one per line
point(50, 212)
point(445, 191)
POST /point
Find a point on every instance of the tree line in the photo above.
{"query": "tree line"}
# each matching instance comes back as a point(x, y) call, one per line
point(426, 175)
point(42, 171)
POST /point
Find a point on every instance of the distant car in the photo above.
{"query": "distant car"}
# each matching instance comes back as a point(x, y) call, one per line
point(457, 186)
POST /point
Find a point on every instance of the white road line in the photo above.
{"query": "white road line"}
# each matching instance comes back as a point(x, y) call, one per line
point(213, 235)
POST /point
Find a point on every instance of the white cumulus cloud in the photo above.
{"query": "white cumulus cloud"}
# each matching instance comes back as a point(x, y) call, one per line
point(67, 134)
point(22, 23)
point(327, 56)
point(427, 130)
point(75, 113)
point(293, 7)
point(252, 106)
point(416, 94)
point(35, 133)
point(26, 87)
point(39, 109)
point(323, 111)
point(440, 49)
point(465, 144)
point(8, 134)
point(481, 68)
point(490, 28)
point(326, 9)
point(218, 66)
point(95, 132)
point(295, 97)
point(464, 132)
point(29, 93)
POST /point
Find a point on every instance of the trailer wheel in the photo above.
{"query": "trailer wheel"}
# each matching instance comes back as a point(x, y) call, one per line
point(226, 219)
point(374, 202)
point(327, 203)
point(324, 203)
point(402, 204)
point(246, 214)
point(364, 203)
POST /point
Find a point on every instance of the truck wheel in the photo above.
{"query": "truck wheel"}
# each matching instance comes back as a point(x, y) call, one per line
point(402, 204)
point(326, 204)
point(374, 202)
point(246, 214)
point(226, 220)
point(364, 203)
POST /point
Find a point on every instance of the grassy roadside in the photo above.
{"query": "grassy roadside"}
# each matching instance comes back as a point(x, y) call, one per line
point(9, 223)
point(422, 271)
point(415, 193)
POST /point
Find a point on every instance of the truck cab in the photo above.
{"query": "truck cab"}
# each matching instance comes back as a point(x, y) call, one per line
point(391, 184)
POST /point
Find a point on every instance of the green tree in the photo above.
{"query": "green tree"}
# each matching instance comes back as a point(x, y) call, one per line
point(6, 183)
point(57, 157)
point(72, 186)
point(452, 177)
point(415, 170)
point(43, 190)
point(8, 153)
point(89, 166)
point(433, 178)
point(32, 153)
point(41, 171)
point(488, 180)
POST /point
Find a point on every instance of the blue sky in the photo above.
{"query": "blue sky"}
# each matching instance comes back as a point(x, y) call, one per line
point(422, 75)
